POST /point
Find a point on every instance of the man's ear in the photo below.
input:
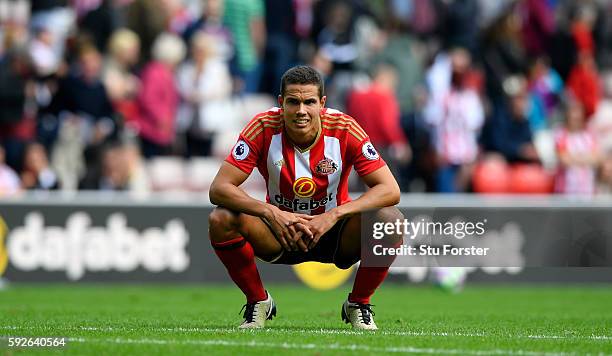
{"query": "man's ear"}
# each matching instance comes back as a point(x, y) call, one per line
point(323, 100)
point(280, 101)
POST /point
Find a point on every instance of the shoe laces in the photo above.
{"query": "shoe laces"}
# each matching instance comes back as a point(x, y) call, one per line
point(249, 312)
point(365, 312)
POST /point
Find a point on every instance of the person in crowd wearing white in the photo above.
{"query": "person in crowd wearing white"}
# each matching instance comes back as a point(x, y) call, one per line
point(205, 85)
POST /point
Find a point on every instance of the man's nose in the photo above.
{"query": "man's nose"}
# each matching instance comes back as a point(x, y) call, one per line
point(302, 109)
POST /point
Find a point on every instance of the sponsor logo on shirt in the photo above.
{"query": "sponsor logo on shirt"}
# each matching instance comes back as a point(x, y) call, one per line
point(304, 187)
point(369, 151)
point(326, 166)
point(297, 204)
point(240, 150)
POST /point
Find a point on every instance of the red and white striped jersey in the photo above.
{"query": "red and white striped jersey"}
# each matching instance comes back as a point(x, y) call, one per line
point(309, 181)
point(576, 179)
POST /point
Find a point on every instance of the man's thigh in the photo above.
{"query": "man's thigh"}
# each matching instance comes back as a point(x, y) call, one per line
point(349, 247)
point(258, 234)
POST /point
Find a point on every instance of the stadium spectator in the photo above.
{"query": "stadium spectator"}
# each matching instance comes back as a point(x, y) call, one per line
point(578, 153)
point(120, 82)
point(583, 78)
point(602, 34)
point(119, 168)
point(146, 18)
point(83, 95)
point(179, 17)
point(111, 174)
point(9, 180)
point(36, 172)
point(97, 21)
point(508, 131)
point(455, 112)
point(583, 82)
point(246, 21)
point(45, 60)
point(538, 25)
point(403, 51)
point(337, 36)
point(582, 21)
point(304, 142)
point(281, 42)
point(601, 124)
point(86, 117)
point(211, 23)
point(205, 86)
point(503, 52)
point(421, 174)
point(56, 16)
point(139, 182)
point(604, 181)
point(376, 109)
point(158, 99)
point(460, 29)
point(337, 42)
point(17, 91)
point(545, 87)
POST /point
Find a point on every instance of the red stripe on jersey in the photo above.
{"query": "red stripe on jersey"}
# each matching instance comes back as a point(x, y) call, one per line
point(263, 169)
point(317, 154)
point(342, 196)
point(287, 176)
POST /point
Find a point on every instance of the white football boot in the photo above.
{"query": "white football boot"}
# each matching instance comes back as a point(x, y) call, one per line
point(359, 315)
point(256, 314)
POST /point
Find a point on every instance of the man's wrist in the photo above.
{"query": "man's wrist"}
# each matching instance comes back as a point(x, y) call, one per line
point(336, 213)
point(268, 212)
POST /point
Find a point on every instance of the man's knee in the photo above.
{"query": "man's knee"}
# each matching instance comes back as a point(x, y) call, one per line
point(389, 214)
point(222, 223)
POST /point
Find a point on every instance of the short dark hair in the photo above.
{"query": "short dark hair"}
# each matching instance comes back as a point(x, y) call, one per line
point(302, 75)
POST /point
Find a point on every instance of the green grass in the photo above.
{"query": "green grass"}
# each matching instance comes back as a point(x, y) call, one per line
point(178, 320)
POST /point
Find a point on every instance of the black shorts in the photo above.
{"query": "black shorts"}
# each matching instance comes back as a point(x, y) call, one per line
point(325, 250)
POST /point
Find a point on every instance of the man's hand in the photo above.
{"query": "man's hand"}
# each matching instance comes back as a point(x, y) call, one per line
point(318, 225)
point(290, 229)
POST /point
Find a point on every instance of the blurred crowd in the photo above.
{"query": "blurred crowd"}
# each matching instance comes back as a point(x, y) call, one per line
point(504, 96)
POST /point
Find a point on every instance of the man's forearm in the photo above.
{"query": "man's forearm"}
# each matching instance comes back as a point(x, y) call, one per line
point(377, 197)
point(232, 197)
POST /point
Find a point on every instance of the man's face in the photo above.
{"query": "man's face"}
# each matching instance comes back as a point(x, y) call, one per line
point(302, 108)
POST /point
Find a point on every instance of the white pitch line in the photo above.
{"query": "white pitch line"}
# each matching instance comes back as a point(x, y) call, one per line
point(310, 331)
point(318, 347)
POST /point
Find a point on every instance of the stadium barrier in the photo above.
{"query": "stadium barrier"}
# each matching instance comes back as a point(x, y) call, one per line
point(101, 237)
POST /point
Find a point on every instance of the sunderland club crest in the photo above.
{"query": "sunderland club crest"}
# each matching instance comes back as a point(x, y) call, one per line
point(326, 166)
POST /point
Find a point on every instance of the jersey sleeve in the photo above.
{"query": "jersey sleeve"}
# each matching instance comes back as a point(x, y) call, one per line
point(364, 155)
point(245, 153)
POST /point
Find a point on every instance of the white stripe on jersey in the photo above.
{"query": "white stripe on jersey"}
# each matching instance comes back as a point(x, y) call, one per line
point(332, 111)
point(302, 169)
point(332, 151)
point(275, 165)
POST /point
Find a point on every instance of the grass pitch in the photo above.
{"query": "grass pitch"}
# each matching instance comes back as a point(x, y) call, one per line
point(183, 320)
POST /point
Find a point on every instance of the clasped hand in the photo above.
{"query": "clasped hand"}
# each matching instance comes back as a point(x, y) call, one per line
point(299, 232)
